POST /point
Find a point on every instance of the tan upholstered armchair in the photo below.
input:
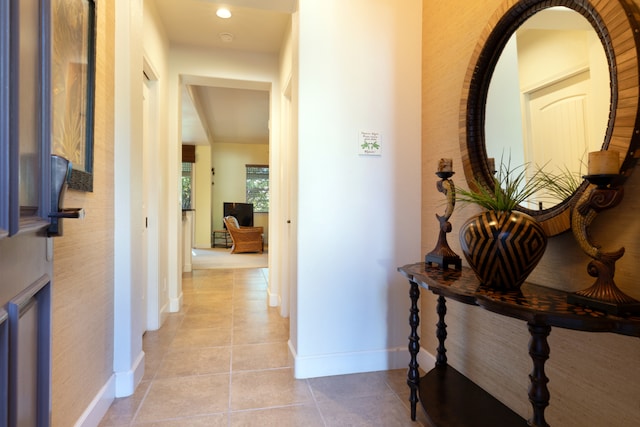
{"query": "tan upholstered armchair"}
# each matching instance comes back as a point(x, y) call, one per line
point(245, 239)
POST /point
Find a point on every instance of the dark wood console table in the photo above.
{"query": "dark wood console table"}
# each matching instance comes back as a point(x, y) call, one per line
point(447, 396)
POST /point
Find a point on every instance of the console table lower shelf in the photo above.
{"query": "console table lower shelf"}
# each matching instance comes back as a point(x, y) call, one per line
point(451, 399)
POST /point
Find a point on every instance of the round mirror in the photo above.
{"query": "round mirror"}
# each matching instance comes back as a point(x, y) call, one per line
point(548, 100)
point(548, 84)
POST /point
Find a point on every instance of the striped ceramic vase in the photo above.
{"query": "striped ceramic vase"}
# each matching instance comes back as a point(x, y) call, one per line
point(502, 248)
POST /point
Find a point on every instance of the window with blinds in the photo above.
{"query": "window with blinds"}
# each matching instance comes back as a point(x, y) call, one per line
point(258, 187)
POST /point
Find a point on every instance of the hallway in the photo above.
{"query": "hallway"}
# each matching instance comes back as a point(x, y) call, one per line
point(224, 361)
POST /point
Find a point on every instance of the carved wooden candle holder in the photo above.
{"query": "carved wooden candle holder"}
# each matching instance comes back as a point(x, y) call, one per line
point(442, 254)
point(604, 294)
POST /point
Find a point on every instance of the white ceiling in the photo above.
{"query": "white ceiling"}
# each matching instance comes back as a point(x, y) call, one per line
point(236, 115)
point(229, 115)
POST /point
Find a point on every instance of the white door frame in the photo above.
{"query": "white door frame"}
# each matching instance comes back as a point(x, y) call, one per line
point(155, 309)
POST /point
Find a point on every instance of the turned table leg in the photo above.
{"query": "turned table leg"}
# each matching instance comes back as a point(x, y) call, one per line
point(441, 332)
point(413, 376)
point(538, 391)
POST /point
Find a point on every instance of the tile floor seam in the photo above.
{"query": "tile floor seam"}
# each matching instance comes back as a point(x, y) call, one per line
point(315, 402)
point(133, 420)
point(137, 411)
point(289, 405)
point(233, 319)
point(153, 377)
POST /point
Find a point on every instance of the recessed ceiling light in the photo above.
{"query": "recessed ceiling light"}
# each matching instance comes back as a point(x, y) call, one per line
point(226, 37)
point(223, 13)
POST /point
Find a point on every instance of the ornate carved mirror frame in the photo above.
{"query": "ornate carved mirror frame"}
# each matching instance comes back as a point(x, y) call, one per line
point(616, 23)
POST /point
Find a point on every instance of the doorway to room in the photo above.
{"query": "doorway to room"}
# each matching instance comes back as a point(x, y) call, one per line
point(244, 126)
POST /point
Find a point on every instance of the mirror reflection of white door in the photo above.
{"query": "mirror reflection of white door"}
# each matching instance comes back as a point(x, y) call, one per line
point(557, 117)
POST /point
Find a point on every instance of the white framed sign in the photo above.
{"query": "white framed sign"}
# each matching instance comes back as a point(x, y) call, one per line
point(369, 143)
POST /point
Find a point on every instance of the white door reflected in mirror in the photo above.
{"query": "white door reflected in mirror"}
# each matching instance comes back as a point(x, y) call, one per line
point(549, 97)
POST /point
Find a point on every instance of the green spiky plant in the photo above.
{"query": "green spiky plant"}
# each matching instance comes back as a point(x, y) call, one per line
point(561, 185)
point(510, 188)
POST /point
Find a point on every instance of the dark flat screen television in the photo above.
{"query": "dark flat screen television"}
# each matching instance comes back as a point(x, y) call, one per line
point(242, 211)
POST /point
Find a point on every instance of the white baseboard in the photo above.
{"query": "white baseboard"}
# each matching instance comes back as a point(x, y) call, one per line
point(164, 313)
point(273, 298)
point(349, 363)
point(357, 362)
point(119, 385)
point(426, 360)
point(175, 304)
point(126, 382)
point(99, 406)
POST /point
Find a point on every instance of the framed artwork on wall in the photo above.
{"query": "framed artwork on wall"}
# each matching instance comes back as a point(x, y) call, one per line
point(73, 87)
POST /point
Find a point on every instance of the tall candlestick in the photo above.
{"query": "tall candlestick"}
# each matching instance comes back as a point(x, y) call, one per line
point(606, 162)
point(492, 164)
point(442, 254)
point(445, 165)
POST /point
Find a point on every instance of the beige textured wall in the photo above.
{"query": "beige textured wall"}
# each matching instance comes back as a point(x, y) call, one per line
point(83, 262)
point(594, 378)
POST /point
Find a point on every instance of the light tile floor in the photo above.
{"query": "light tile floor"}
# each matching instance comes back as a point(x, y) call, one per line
point(223, 361)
